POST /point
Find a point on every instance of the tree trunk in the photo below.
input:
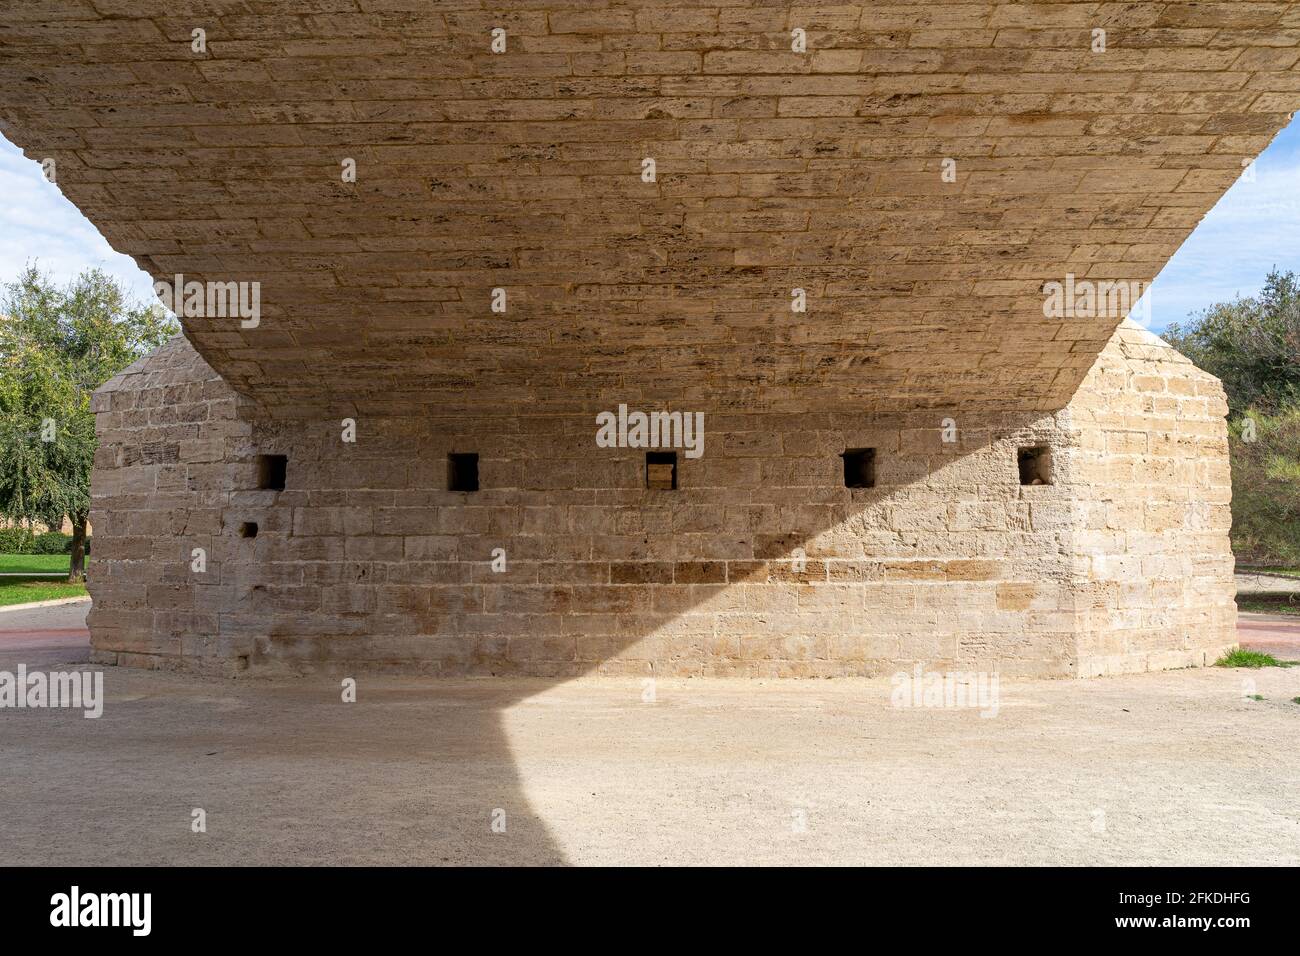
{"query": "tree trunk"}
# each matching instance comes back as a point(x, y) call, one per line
point(77, 571)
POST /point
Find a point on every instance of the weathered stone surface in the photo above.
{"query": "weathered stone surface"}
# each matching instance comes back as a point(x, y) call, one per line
point(915, 176)
point(521, 170)
point(761, 563)
point(1153, 513)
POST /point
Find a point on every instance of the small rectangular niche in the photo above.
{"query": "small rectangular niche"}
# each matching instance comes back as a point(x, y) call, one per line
point(462, 471)
point(1035, 464)
point(248, 529)
point(661, 470)
point(859, 468)
point(270, 472)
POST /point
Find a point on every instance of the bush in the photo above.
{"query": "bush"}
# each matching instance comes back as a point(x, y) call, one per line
point(52, 542)
point(1251, 344)
point(16, 541)
point(1266, 488)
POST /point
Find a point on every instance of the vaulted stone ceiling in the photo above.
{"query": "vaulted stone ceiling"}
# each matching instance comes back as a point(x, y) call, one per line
point(774, 170)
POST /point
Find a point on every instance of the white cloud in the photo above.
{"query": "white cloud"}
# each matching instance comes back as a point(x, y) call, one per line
point(38, 224)
point(1254, 227)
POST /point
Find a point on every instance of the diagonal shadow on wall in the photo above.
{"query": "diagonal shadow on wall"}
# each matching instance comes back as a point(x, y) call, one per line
point(761, 563)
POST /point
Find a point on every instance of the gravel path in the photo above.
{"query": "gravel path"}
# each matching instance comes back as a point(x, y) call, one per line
point(1172, 768)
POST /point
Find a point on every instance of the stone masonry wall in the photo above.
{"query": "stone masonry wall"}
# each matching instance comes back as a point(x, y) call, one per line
point(920, 168)
point(761, 563)
point(1154, 497)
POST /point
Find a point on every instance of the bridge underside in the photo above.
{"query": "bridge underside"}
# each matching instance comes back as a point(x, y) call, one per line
point(1068, 152)
point(627, 205)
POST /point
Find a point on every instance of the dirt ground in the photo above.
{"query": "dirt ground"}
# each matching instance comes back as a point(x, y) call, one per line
point(1174, 768)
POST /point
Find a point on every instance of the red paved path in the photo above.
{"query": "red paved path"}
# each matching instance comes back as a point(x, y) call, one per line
point(1270, 634)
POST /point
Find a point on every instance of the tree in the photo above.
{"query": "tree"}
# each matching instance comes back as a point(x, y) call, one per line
point(1266, 487)
point(1251, 344)
point(57, 345)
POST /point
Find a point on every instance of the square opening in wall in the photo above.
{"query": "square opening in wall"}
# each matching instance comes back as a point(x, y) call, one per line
point(859, 468)
point(661, 470)
point(270, 472)
point(1035, 465)
point(248, 529)
point(462, 472)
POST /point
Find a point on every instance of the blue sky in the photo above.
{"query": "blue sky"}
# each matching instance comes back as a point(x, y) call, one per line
point(38, 224)
point(1255, 226)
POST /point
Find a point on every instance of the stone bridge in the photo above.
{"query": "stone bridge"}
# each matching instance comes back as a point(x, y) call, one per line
point(884, 249)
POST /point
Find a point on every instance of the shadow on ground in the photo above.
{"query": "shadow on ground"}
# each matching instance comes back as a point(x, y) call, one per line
point(1131, 770)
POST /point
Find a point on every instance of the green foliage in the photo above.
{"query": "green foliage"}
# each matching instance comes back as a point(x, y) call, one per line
point(16, 541)
point(1253, 659)
point(1251, 344)
point(1282, 603)
point(52, 542)
point(46, 434)
point(33, 564)
point(22, 541)
point(1266, 486)
point(1282, 572)
point(27, 590)
point(57, 345)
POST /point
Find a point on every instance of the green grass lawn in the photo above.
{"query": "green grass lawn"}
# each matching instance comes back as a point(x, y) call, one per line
point(1268, 604)
point(27, 590)
point(33, 563)
point(24, 590)
point(1285, 572)
point(1271, 602)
